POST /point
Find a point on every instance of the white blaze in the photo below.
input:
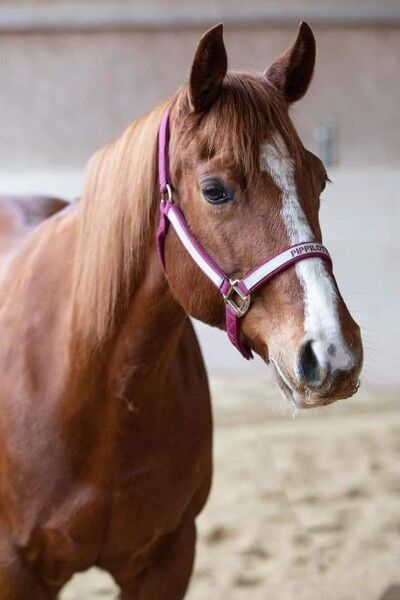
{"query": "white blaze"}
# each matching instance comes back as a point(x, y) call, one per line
point(321, 318)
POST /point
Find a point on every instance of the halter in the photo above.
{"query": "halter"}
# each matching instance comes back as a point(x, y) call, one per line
point(236, 293)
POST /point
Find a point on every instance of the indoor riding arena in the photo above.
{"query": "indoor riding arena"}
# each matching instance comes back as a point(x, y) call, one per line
point(304, 502)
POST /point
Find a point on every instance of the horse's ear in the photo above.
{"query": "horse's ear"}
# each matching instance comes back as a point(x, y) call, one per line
point(208, 69)
point(292, 72)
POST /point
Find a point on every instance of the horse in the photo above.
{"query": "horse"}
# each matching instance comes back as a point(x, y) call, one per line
point(105, 418)
point(19, 215)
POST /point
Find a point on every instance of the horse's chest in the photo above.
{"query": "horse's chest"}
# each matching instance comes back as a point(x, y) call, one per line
point(149, 485)
point(118, 527)
point(152, 494)
point(132, 483)
point(58, 542)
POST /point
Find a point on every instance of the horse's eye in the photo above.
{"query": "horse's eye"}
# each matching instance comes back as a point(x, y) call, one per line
point(325, 181)
point(216, 193)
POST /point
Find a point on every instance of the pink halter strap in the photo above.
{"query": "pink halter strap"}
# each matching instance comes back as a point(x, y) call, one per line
point(236, 293)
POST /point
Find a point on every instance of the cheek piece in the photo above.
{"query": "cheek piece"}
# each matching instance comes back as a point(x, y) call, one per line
point(235, 293)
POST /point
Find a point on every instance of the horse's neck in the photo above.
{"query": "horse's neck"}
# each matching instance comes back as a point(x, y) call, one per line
point(145, 342)
point(131, 380)
point(139, 353)
point(123, 392)
point(134, 360)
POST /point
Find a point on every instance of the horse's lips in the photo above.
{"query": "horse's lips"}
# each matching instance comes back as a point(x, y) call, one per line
point(296, 398)
point(283, 383)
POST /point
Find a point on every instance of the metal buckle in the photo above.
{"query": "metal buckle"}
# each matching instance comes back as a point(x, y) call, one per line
point(167, 195)
point(234, 290)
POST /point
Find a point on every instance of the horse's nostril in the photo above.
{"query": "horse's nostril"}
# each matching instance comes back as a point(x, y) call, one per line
point(309, 368)
point(331, 350)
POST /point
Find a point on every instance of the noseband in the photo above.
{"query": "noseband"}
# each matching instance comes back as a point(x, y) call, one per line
point(236, 293)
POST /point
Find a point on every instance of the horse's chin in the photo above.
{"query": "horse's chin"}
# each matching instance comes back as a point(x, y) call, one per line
point(304, 400)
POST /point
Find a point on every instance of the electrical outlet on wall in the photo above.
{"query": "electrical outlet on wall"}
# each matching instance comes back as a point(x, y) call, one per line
point(326, 141)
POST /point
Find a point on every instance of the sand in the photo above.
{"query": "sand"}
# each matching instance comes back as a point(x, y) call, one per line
point(303, 508)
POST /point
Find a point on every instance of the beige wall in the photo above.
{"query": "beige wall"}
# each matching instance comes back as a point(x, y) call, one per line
point(63, 95)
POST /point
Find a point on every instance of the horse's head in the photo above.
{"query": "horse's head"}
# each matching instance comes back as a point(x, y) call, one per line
point(249, 189)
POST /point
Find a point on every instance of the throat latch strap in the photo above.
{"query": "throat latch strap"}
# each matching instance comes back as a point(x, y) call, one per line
point(236, 293)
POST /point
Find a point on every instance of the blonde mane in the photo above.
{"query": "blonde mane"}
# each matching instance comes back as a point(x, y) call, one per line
point(115, 225)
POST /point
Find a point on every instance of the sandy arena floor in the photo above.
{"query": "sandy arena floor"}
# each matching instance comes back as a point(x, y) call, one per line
point(304, 508)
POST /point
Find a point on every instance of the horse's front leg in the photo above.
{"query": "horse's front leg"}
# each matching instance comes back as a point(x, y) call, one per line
point(17, 579)
point(168, 577)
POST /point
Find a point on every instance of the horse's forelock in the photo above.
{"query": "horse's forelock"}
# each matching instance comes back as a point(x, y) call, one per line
point(247, 111)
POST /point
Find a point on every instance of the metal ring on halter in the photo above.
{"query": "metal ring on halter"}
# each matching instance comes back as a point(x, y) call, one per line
point(167, 195)
point(234, 290)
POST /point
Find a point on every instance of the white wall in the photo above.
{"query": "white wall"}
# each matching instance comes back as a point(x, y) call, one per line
point(360, 218)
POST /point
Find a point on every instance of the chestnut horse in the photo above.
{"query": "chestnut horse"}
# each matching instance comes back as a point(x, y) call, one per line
point(105, 420)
